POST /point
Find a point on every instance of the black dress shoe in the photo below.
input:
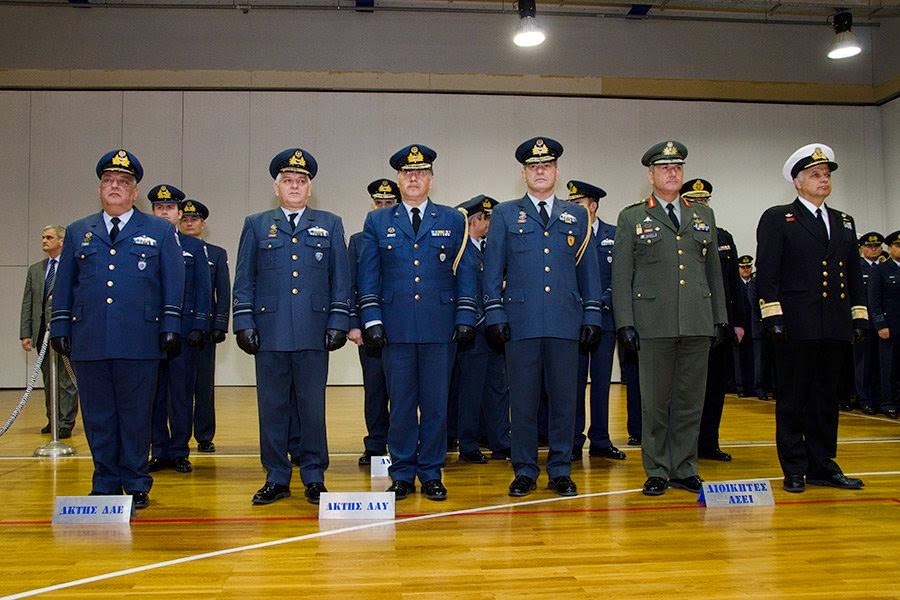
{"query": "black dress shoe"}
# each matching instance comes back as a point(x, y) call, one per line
point(837, 480)
point(763, 396)
point(158, 464)
point(846, 406)
point(434, 490)
point(452, 444)
point(46, 428)
point(206, 447)
point(716, 454)
point(654, 486)
point(183, 465)
point(65, 433)
point(577, 454)
point(692, 484)
point(794, 484)
point(504, 454)
point(140, 500)
point(867, 409)
point(271, 492)
point(611, 452)
point(522, 485)
point(890, 413)
point(474, 456)
point(633, 440)
point(401, 489)
point(564, 486)
point(313, 491)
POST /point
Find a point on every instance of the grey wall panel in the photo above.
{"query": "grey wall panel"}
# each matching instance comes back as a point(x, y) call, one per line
point(13, 367)
point(17, 243)
point(152, 127)
point(890, 128)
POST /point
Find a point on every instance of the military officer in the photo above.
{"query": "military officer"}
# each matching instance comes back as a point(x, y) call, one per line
point(884, 299)
point(292, 307)
point(598, 359)
point(669, 301)
point(116, 313)
point(173, 408)
point(867, 372)
point(811, 298)
point(383, 193)
point(720, 358)
point(542, 247)
point(416, 295)
point(743, 351)
point(479, 375)
point(193, 223)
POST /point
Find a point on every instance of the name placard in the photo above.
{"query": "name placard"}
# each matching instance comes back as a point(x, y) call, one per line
point(356, 505)
point(747, 492)
point(379, 466)
point(92, 509)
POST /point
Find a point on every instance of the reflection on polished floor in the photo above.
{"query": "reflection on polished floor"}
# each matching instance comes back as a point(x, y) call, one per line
point(201, 538)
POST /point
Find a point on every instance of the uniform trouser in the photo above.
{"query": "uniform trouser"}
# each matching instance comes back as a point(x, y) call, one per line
point(291, 385)
point(714, 401)
point(418, 381)
point(764, 377)
point(173, 407)
point(806, 411)
point(375, 400)
point(743, 364)
point(599, 362)
point(628, 366)
point(672, 403)
point(529, 363)
point(205, 395)
point(67, 397)
point(889, 359)
point(116, 403)
point(482, 393)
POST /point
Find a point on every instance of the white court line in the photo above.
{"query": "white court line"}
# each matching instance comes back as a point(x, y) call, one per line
point(331, 532)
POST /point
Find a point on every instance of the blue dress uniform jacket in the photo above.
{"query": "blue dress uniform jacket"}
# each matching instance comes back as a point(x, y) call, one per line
point(221, 287)
point(884, 301)
point(292, 286)
point(197, 304)
point(865, 353)
point(605, 241)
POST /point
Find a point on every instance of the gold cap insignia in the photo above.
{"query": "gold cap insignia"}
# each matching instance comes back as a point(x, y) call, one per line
point(297, 160)
point(121, 159)
point(486, 206)
point(698, 186)
point(385, 187)
point(818, 154)
point(189, 207)
point(415, 156)
point(670, 149)
point(540, 148)
point(572, 188)
point(163, 193)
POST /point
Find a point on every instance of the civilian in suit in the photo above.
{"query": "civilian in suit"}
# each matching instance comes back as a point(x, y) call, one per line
point(743, 351)
point(416, 297)
point(36, 303)
point(384, 193)
point(884, 300)
point(667, 289)
point(291, 322)
point(173, 408)
point(193, 224)
point(811, 298)
point(598, 358)
point(541, 247)
point(867, 371)
point(116, 313)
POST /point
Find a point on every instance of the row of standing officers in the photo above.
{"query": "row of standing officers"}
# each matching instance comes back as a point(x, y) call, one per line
point(418, 288)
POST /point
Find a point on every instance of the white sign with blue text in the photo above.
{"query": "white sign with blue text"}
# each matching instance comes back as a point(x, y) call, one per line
point(747, 492)
point(356, 505)
point(379, 466)
point(92, 509)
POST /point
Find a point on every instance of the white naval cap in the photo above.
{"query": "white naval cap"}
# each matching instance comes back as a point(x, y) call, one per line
point(808, 156)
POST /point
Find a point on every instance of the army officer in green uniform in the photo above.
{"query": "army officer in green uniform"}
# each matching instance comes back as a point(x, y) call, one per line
point(669, 300)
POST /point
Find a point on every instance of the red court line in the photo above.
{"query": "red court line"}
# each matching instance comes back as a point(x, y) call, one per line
point(480, 513)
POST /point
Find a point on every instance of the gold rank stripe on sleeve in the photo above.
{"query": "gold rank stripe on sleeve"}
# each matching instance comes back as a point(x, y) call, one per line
point(465, 239)
point(770, 309)
point(581, 250)
point(859, 312)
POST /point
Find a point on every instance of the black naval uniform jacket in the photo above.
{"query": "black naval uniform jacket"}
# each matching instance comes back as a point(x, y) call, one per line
point(731, 278)
point(810, 284)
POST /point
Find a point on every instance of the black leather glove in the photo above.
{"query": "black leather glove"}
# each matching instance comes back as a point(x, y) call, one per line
point(463, 335)
point(170, 343)
point(374, 336)
point(497, 336)
point(721, 334)
point(859, 335)
point(217, 336)
point(248, 340)
point(61, 345)
point(335, 339)
point(628, 337)
point(775, 329)
point(590, 335)
point(196, 338)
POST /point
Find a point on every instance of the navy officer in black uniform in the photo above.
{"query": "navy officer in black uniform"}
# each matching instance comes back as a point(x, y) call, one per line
point(116, 312)
point(865, 354)
point(291, 308)
point(811, 298)
point(884, 300)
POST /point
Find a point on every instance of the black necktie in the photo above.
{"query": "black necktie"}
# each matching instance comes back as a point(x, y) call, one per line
point(671, 210)
point(416, 219)
point(823, 231)
point(293, 219)
point(481, 244)
point(115, 228)
point(48, 281)
point(543, 210)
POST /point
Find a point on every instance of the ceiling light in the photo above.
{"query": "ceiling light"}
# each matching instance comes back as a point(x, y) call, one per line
point(528, 33)
point(844, 44)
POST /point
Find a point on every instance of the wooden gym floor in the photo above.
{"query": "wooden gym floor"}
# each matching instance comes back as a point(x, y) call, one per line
point(201, 538)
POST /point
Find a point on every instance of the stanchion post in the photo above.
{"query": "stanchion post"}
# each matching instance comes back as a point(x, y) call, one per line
point(54, 447)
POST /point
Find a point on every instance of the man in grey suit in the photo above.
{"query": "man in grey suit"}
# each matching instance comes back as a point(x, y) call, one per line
point(35, 306)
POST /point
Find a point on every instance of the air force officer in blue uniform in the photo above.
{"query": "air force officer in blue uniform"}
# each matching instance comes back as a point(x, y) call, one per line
point(541, 246)
point(292, 307)
point(416, 294)
point(116, 312)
